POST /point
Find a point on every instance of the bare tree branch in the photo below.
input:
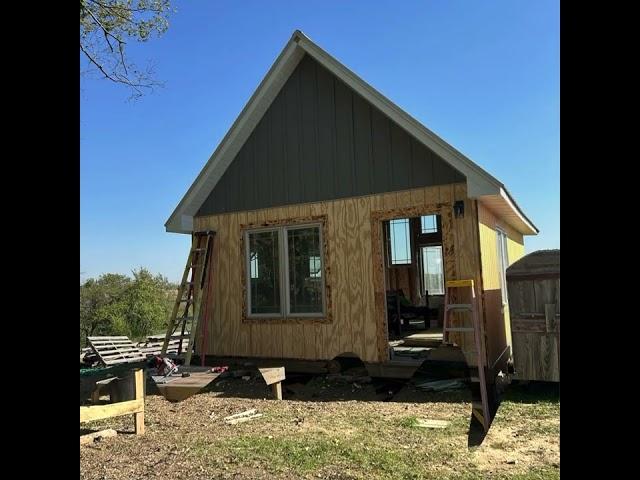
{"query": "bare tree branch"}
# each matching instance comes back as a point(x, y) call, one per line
point(103, 23)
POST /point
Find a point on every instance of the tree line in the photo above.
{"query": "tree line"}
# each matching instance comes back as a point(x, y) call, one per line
point(115, 304)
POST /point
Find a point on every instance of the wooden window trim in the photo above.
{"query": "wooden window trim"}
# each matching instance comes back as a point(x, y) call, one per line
point(289, 222)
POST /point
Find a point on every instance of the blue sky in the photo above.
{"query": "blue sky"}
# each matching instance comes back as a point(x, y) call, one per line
point(482, 75)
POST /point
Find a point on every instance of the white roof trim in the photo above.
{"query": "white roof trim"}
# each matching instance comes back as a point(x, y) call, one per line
point(479, 182)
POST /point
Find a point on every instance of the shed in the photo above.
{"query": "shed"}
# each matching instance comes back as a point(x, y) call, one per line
point(533, 284)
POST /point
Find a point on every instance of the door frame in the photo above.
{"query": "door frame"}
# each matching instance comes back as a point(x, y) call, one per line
point(445, 210)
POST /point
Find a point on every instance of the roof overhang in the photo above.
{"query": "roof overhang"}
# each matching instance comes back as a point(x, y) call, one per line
point(505, 207)
point(480, 184)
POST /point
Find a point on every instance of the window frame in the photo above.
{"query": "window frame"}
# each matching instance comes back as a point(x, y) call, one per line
point(390, 263)
point(422, 261)
point(502, 252)
point(284, 280)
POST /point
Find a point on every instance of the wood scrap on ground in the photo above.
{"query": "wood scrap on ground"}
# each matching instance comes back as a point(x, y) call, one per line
point(428, 423)
point(242, 417)
point(92, 437)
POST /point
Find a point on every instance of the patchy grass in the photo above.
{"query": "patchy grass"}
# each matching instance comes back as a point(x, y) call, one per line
point(339, 440)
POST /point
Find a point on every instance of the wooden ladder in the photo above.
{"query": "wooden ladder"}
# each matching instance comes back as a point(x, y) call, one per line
point(190, 293)
point(479, 409)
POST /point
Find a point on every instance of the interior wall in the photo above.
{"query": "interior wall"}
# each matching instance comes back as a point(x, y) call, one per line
point(355, 326)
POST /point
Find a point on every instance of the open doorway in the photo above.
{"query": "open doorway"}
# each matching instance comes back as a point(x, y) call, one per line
point(414, 282)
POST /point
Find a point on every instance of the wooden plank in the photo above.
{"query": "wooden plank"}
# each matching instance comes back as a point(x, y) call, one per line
point(98, 412)
point(107, 338)
point(369, 330)
point(340, 341)
point(354, 245)
point(244, 419)
point(226, 264)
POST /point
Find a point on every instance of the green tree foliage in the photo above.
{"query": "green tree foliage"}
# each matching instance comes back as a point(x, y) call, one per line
point(106, 26)
point(115, 304)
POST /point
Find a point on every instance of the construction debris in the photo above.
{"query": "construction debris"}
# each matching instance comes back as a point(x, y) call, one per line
point(242, 417)
point(427, 423)
point(91, 437)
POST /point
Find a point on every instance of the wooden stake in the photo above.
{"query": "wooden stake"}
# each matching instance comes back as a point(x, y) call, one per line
point(277, 390)
point(138, 378)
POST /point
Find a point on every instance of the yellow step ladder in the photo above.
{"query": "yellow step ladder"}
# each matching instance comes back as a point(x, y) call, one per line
point(479, 409)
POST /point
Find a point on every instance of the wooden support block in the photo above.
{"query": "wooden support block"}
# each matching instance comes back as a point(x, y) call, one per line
point(90, 437)
point(272, 375)
point(277, 390)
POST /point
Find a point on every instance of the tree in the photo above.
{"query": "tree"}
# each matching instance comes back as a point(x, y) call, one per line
point(101, 307)
point(115, 304)
point(148, 305)
point(105, 28)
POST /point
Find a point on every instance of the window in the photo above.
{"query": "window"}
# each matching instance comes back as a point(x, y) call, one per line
point(433, 269)
point(264, 287)
point(285, 272)
point(314, 267)
point(503, 262)
point(399, 242)
point(429, 224)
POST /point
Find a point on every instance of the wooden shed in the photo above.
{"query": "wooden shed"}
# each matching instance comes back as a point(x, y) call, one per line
point(325, 197)
point(534, 300)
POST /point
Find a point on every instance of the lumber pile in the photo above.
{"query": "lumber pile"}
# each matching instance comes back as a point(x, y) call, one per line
point(153, 345)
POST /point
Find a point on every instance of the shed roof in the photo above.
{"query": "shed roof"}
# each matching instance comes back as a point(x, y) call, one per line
point(480, 184)
point(540, 262)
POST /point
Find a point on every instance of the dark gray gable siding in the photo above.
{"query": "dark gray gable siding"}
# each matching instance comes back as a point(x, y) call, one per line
point(320, 140)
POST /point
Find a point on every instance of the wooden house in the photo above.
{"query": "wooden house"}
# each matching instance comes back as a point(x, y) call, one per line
point(324, 196)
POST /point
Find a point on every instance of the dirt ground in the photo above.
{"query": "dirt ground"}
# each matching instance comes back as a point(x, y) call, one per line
point(329, 429)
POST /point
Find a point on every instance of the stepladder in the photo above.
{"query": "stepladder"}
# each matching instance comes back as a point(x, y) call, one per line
point(462, 321)
point(192, 296)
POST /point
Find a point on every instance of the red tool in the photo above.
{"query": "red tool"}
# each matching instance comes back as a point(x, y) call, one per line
point(165, 367)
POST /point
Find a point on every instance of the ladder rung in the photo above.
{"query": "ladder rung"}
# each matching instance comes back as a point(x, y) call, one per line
point(460, 329)
point(460, 306)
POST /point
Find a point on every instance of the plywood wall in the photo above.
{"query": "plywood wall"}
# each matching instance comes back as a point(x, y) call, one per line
point(496, 317)
point(354, 326)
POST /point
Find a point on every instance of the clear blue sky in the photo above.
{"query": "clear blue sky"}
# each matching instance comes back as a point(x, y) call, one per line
point(482, 75)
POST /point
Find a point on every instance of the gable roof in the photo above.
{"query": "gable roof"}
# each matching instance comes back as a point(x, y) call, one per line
point(480, 184)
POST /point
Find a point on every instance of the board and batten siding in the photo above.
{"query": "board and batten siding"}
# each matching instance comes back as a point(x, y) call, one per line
point(496, 318)
point(354, 325)
point(320, 141)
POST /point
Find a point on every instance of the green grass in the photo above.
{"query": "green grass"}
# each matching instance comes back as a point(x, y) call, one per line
point(357, 444)
point(310, 453)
